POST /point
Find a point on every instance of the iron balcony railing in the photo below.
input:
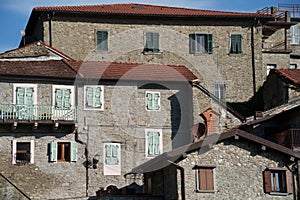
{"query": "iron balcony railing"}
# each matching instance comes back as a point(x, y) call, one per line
point(36, 112)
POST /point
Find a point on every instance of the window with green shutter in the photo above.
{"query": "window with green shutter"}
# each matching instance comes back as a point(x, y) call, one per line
point(62, 99)
point(25, 102)
point(152, 100)
point(200, 43)
point(112, 152)
point(152, 42)
point(94, 97)
point(153, 143)
point(236, 44)
point(102, 40)
point(63, 151)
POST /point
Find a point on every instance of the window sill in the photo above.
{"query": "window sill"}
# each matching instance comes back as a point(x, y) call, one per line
point(152, 53)
point(93, 109)
point(206, 191)
point(279, 194)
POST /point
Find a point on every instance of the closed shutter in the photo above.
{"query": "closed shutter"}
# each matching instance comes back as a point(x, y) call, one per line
point(89, 96)
point(267, 181)
point(102, 40)
point(24, 102)
point(62, 98)
point(155, 100)
point(97, 97)
point(74, 151)
point(209, 179)
point(156, 143)
point(295, 34)
point(192, 43)
point(53, 151)
point(289, 182)
point(152, 42)
point(150, 139)
point(202, 179)
point(209, 43)
point(206, 179)
point(155, 37)
point(14, 151)
point(93, 97)
point(236, 44)
point(31, 151)
point(111, 154)
point(150, 105)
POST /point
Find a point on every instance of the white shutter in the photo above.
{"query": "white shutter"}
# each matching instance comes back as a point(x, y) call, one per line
point(31, 151)
point(14, 151)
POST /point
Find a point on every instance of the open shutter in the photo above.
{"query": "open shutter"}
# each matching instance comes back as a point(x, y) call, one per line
point(74, 151)
point(14, 151)
point(155, 102)
point(150, 143)
point(53, 151)
point(192, 43)
point(149, 101)
point(31, 151)
point(267, 181)
point(209, 43)
point(289, 182)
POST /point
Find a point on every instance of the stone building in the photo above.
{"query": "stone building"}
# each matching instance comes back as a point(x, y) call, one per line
point(231, 165)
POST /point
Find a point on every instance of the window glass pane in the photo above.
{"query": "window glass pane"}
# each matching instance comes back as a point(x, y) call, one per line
point(152, 42)
point(236, 44)
point(102, 40)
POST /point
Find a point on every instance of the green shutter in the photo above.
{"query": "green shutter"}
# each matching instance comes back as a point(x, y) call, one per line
point(20, 96)
point(62, 98)
point(155, 100)
point(102, 40)
point(53, 151)
point(111, 154)
point(93, 97)
point(25, 102)
point(149, 101)
point(74, 151)
point(152, 42)
point(155, 38)
point(150, 143)
point(239, 43)
point(97, 97)
point(89, 97)
point(209, 43)
point(156, 143)
point(148, 41)
point(192, 43)
point(236, 44)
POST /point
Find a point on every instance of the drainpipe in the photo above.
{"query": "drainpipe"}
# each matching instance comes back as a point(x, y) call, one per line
point(253, 60)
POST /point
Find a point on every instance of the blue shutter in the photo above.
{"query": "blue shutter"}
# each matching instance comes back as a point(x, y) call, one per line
point(74, 151)
point(192, 43)
point(53, 151)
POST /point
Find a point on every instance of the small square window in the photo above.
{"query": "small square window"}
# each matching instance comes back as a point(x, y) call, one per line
point(200, 43)
point(204, 178)
point(102, 40)
point(152, 42)
point(152, 101)
point(236, 44)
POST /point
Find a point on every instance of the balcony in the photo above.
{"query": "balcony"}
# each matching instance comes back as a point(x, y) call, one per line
point(36, 112)
point(289, 138)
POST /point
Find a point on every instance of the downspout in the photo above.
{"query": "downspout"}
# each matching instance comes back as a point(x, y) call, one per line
point(253, 60)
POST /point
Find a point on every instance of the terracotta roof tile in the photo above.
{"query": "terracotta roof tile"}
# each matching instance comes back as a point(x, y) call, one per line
point(48, 68)
point(292, 75)
point(130, 71)
point(143, 9)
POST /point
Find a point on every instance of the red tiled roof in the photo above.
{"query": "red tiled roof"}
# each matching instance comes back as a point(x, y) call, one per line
point(143, 9)
point(129, 71)
point(292, 75)
point(48, 68)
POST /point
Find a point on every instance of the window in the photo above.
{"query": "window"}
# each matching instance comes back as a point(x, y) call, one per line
point(295, 34)
point(270, 66)
point(293, 66)
point(152, 42)
point(63, 151)
point(236, 44)
point(22, 152)
point(153, 142)
point(25, 99)
point(112, 159)
point(63, 97)
point(152, 100)
point(102, 40)
point(93, 97)
point(200, 43)
point(220, 90)
point(204, 178)
point(278, 181)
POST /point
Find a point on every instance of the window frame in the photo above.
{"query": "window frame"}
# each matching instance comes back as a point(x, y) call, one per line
point(285, 184)
point(158, 103)
point(112, 169)
point(53, 152)
point(99, 49)
point(14, 151)
point(63, 87)
point(239, 43)
point(154, 45)
point(208, 184)
point(147, 142)
point(295, 35)
point(101, 97)
point(208, 43)
point(220, 90)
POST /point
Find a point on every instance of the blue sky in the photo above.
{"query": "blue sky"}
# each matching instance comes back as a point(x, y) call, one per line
point(14, 14)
